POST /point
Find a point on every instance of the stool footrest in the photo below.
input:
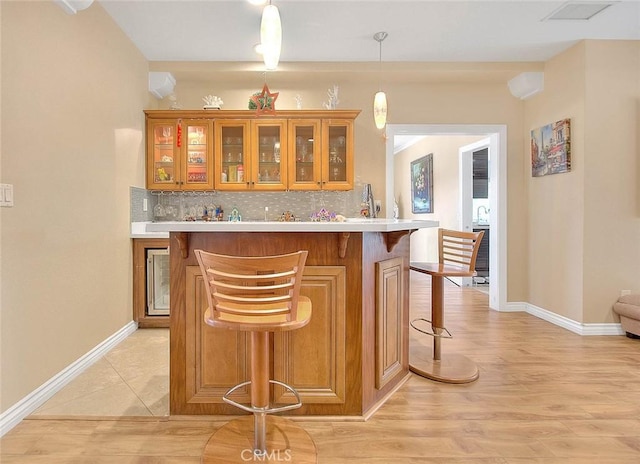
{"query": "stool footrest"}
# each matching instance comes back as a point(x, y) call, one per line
point(432, 333)
point(267, 410)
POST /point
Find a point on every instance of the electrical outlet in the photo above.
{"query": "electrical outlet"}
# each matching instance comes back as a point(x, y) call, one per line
point(625, 292)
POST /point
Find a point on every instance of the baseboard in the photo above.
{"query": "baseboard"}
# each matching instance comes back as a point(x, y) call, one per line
point(603, 329)
point(575, 326)
point(564, 322)
point(12, 416)
point(515, 306)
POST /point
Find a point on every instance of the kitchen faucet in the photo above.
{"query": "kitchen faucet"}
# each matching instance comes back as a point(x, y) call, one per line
point(486, 213)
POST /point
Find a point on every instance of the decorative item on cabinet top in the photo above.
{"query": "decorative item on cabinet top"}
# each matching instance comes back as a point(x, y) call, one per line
point(212, 102)
point(264, 102)
point(249, 114)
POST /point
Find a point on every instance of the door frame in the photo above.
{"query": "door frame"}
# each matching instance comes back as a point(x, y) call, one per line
point(497, 136)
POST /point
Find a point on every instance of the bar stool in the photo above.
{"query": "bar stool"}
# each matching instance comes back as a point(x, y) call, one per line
point(259, 295)
point(457, 252)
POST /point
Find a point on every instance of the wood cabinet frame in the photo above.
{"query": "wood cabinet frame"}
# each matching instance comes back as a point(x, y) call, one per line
point(179, 167)
point(218, 119)
point(140, 247)
point(357, 344)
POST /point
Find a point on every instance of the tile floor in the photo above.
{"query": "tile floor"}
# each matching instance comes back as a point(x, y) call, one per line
point(131, 380)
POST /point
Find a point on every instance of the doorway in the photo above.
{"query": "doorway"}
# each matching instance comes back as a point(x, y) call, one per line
point(496, 136)
point(474, 183)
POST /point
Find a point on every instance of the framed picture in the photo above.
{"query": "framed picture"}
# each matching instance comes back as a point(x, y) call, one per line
point(422, 184)
point(551, 148)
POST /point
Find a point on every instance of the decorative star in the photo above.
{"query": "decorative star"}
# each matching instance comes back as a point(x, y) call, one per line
point(265, 101)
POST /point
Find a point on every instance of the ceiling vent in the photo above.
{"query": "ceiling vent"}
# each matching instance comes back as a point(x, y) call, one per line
point(577, 11)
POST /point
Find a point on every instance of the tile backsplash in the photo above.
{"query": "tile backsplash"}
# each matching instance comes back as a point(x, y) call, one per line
point(251, 205)
point(137, 196)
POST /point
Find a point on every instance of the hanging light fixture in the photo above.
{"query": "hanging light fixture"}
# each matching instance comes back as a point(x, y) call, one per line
point(271, 36)
point(380, 99)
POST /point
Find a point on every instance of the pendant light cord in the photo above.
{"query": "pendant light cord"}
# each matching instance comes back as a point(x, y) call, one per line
point(379, 37)
point(380, 67)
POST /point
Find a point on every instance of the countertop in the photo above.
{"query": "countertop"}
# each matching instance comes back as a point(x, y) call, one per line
point(139, 230)
point(162, 229)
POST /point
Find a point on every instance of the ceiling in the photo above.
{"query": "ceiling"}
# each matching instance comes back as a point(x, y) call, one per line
point(207, 36)
point(342, 31)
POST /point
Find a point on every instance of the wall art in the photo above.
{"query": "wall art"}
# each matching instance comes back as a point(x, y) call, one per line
point(422, 185)
point(551, 148)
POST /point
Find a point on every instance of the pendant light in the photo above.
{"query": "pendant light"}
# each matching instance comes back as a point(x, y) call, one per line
point(271, 36)
point(380, 99)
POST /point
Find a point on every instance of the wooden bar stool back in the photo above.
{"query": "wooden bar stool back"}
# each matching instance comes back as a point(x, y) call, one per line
point(259, 295)
point(457, 253)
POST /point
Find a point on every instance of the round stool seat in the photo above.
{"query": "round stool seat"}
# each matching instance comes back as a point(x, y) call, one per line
point(285, 440)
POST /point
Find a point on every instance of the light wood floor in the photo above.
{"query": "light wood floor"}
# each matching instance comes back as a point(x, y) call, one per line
point(544, 396)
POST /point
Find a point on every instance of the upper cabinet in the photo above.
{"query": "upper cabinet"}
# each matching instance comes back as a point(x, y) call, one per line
point(238, 151)
point(305, 166)
point(232, 152)
point(269, 154)
point(322, 154)
point(337, 154)
point(481, 173)
point(179, 154)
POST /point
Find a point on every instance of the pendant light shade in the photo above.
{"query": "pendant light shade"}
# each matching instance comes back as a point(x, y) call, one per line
point(380, 99)
point(380, 109)
point(271, 36)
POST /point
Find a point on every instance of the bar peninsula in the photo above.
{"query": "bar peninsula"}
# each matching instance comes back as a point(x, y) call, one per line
point(353, 354)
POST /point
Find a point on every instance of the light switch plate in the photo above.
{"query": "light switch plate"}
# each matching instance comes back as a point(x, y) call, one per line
point(6, 195)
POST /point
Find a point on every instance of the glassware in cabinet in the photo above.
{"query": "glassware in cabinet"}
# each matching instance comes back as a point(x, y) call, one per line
point(337, 173)
point(162, 170)
point(198, 160)
point(232, 155)
point(269, 163)
point(179, 155)
point(305, 161)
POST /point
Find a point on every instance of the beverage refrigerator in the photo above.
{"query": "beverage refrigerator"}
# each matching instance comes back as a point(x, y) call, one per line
point(158, 282)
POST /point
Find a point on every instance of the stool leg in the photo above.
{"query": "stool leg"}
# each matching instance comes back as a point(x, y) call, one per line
point(259, 388)
point(447, 367)
point(437, 313)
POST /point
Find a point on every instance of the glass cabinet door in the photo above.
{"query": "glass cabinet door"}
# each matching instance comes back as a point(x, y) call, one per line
point(162, 156)
point(232, 154)
point(198, 167)
point(269, 167)
point(305, 162)
point(338, 155)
